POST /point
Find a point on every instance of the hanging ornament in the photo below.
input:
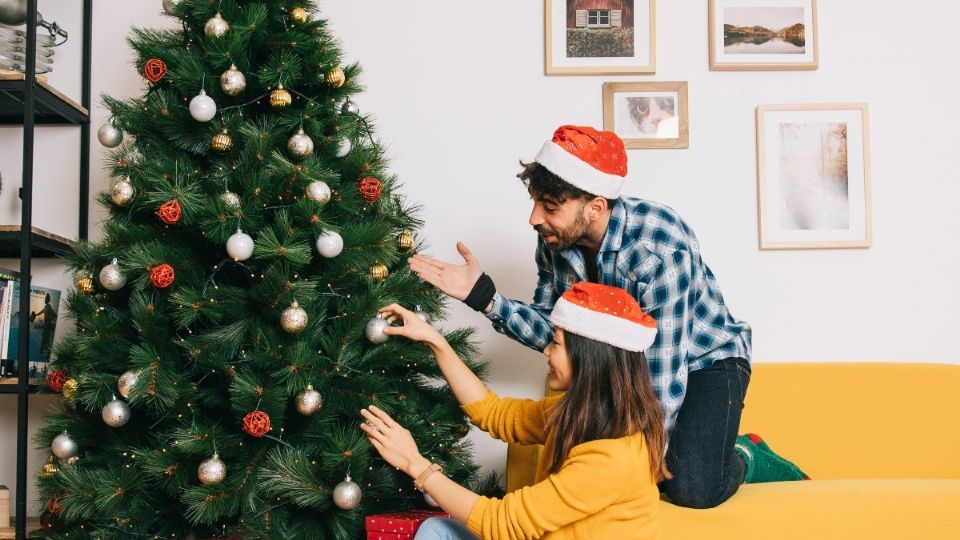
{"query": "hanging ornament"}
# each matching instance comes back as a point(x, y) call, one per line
point(300, 144)
point(84, 284)
point(13, 13)
point(375, 328)
point(309, 401)
point(318, 191)
point(379, 272)
point(216, 27)
point(170, 212)
point(111, 276)
point(370, 189)
point(419, 312)
point(63, 446)
point(127, 381)
point(154, 70)
point(162, 276)
point(70, 388)
point(405, 240)
point(53, 506)
point(115, 413)
point(212, 470)
point(343, 147)
point(256, 423)
point(55, 379)
point(49, 469)
point(347, 494)
point(294, 319)
point(336, 77)
point(221, 142)
point(122, 192)
point(299, 15)
point(349, 107)
point(170, 6)
point(430, 500)
point(109, 135)
point(240, 246)
point(230, 198)
point(280, 97)
point(233, 81)
point(202, 107)
point(329, 244)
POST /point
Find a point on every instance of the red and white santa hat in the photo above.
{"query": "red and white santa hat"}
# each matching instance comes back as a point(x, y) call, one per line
point(604, 313)
point(594, 161)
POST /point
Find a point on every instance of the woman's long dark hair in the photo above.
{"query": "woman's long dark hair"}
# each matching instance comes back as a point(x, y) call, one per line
point(610, 396)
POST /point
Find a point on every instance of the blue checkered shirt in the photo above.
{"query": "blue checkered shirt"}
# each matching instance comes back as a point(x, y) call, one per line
point(649, 251)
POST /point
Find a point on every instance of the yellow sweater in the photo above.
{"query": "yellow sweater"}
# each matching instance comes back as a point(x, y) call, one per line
point(603, 491)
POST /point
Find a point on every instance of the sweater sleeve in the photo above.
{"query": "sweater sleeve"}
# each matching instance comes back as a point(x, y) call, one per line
point(590, 480)
point(512, 420)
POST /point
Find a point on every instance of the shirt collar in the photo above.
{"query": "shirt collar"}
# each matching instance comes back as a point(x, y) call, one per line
point(613, 238)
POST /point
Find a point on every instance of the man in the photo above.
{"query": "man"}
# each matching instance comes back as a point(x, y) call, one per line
point(700, 360)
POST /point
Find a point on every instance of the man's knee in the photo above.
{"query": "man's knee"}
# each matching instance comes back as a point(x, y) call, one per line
point(691, 495)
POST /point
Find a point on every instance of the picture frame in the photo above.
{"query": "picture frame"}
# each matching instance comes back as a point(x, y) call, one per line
point(599, 37)
point(813, 176)
point(754, 35)
point(647, 114)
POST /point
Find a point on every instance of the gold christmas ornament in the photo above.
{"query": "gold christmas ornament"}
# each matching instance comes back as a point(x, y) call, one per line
point(122, 192)
point(404, 240)
point(293, 319)
point(70, 388)
point(48, 470)
point(379, 272)
point(299, 15)
point(336, 77)
point(280, 97)
point(216, 26)
point(84, 284)
point(126, 382)
point(222, 142)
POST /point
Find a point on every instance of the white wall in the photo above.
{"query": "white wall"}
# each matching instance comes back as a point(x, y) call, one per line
point(459, 96)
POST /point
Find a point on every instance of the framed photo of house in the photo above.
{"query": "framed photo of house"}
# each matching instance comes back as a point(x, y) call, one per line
point(763, 35)
point(647, 114)
point(813, 176)
point(600, 37)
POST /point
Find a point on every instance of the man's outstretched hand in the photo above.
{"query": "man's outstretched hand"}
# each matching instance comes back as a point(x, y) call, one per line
point(456, 280)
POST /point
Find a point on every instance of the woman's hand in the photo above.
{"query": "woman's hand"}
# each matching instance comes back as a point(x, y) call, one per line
point(413, 327)
point(392, 440)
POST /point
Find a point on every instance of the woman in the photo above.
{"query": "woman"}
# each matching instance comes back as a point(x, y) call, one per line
point(603, 438)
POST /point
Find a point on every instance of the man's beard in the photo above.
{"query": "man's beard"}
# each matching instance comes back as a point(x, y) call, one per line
point(565, 238)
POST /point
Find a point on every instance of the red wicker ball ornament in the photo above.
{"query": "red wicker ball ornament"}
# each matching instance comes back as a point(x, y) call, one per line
point(53, 506)
point(370, 189)
point(162, 276)
point(56, 378)
point(256, 423)
point(154, 70)
point(170, 212)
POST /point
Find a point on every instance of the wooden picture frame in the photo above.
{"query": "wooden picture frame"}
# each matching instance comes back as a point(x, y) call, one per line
point(813, 176)
point(647, 114)
point(599, 37)
point(754, 35)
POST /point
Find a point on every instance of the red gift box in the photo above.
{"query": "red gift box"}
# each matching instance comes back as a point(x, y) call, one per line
point(398, 525)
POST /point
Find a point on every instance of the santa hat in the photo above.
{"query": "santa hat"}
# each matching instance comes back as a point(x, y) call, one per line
point(594, 161)
point(604, 313)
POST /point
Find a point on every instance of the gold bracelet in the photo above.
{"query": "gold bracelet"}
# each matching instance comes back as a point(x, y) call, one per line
point(432, 468)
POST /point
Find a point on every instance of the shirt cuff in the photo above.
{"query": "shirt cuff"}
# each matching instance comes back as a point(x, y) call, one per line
point(479, 408)
point(494, 313)
point(475, 520)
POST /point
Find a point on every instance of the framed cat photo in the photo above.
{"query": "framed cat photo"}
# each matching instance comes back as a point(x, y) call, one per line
point(600, 37)
point(755, 35)
point(647, 114)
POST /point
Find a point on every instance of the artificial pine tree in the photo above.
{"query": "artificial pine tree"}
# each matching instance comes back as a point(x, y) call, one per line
point(226, 332)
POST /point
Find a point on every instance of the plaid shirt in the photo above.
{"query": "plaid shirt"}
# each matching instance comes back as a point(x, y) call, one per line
point(649, 251)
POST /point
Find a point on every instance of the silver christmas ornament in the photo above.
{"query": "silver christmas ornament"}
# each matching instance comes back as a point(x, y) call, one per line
point(294, 318)
point(111, 276)
point(126, 382)
point(109, 135)
point(318, 191)
point(347, 494)
point(170, 6)
point(14, 13)
point(115, 413)
point(309, 401)
point(375, 328)
point(122, 192)
point(349, 107)
point(240, 246)
point(329, 244)
point(64, 447)
point(300, 144)
point(422, 314)
point(216, 26)
point(344, 147)
point(230, 199)
point(233, 81)
point(430, 500)
point(212, 470)
point(202, 107)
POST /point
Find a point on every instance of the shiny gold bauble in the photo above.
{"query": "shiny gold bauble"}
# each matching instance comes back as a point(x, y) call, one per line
point(379, 272)
point(221, 142)
point(336, 77)
point(48, 470)
point(404, 240)
point(70, 388)
point(84, 284)
point(299, 15)
point(280, 97)
point(294, 319)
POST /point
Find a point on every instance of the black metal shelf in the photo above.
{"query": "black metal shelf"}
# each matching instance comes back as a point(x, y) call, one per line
point(50, 106)
point(11, 388)
point(43, 244)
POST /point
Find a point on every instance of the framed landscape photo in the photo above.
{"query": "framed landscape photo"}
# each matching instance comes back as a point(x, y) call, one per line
point(813, 176)
point(600, 37)
point(763, 35)
point(647, 114)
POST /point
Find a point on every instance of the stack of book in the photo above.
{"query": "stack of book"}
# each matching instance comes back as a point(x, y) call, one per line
point(44, 310)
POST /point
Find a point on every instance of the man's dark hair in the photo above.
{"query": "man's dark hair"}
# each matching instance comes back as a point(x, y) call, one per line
point(543, 184)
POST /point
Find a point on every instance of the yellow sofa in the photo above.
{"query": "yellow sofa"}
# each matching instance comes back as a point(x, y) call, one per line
point(880, 440)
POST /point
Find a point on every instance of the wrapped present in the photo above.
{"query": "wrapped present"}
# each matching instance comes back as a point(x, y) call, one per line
point(398, 525)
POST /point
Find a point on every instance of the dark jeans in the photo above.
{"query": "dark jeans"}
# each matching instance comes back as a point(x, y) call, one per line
point(706, 471)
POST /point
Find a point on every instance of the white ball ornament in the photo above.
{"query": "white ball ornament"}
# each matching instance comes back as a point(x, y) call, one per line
point(318, 191)
point(126, 382)
point(309, 401)
point(212, 470)
point(240, 246)
point(170, 6)
point(115, 413)
point(300, 144)
point(233, 81)
point(64, 447)
point(122, 192)
point(375, 328)
point(230, 199)
point(294, 319)
point(216, 26)
point(421, 314)
point(111, 276)
point(347, 494)
point(330, 244)
point(109, 135)
point(202, 107)
point(349, 107)
point(344, 147)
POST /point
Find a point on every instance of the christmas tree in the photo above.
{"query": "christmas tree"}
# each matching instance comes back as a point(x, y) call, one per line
point(226, 324)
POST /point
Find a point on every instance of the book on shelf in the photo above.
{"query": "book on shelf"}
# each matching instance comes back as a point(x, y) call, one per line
point(44, 312)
